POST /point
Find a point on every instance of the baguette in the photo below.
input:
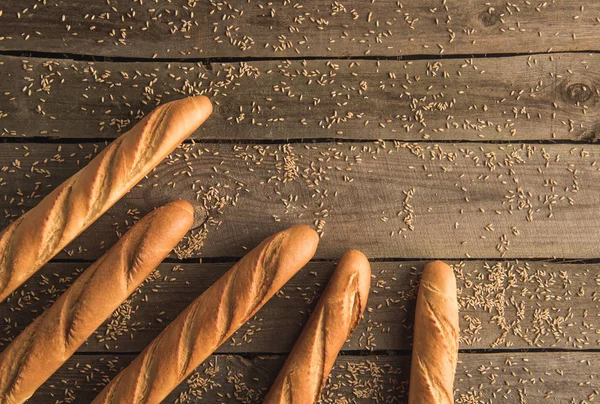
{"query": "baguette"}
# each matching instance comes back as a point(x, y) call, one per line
point(212, 318)
point(54, 336)
point(337, 313)
point(38, 235)
point(435, 344)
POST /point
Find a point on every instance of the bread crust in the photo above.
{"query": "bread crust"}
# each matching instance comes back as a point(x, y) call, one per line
point(59, 331)
point(38, 235)
point(336, 315)
point(435, 344)
point(211, 319)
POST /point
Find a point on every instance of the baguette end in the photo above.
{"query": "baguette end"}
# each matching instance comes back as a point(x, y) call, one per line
point(185, 116)
point(170, 222)
point(442, 276)
point(436, 336)
point(305, 238)
point(203, 105)
point(357, 261)
point(183, 205)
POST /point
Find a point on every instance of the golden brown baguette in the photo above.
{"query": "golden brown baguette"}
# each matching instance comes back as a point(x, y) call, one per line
point(337, 313)
point(435, 344)
point(55, 335)
point(31, 240)
point(212, 318)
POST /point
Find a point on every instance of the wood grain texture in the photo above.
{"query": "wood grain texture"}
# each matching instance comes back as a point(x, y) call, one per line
point(389, 200)
point(555, 377)
point(183, 29)
point(508, 305)
point(508, 98)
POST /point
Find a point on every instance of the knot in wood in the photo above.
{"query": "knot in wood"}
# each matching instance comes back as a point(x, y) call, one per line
point(579, 92)
point(490, 17)
point(168, 19)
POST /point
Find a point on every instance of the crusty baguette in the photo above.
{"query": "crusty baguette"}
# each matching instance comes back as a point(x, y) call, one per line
point(337, 313)
point(212, 318)
point(54, 336)
point(31, 240)
point(435, 344)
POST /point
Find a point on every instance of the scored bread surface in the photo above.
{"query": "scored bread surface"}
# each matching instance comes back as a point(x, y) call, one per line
point(38, 235)
point(59, 331)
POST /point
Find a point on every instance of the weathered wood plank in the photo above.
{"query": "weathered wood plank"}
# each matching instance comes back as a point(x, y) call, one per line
point(184, 29)
point(509, 98)
point(556, 377)
point(463, 200)
point(510, 305)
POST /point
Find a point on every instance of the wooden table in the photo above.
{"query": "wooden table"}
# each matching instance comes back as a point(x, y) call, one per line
point(458, 130)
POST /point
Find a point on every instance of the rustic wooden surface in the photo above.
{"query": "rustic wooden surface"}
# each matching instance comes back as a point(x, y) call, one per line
point(548, 305)
point(484, 377)
point(538, 97)
point(190, 29)
point(390, 200)
point(409, 130)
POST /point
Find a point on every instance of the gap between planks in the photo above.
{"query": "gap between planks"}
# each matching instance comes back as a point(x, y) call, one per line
point(81, 57)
